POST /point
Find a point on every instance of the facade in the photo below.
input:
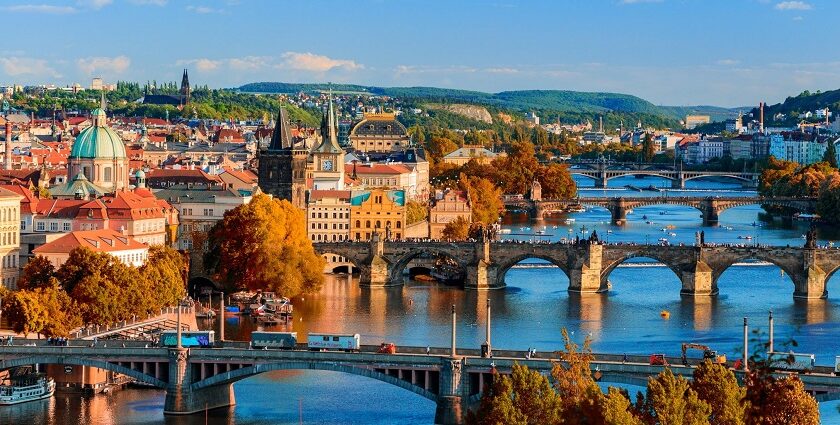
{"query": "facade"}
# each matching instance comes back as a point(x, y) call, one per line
point(328, 157)
point(282, 167)
point(379, 133)
point(114, 243)
point(777, 146)
point(328, 215)
point(741, 148)
point(692, 121)
point(377, 211)
point(10, 237)
point(705, 149)
point(98, 154)
point(199, 208)
point(468, 153)
point(448, 206)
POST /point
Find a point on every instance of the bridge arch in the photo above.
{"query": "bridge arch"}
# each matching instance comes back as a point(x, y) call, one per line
point(246, 372)
point(399, 264)
point(65, 359)
point(642, 173)
point(197, 283)
point(341, 260)
point(505, 266)
point(642, 253)
point(719, 268)
point(730, 176)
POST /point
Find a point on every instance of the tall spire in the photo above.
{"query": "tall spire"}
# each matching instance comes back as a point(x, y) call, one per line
point(185, 87)
point(329, 138)
point(102, 102)
point(282, 136)
point(332, 124)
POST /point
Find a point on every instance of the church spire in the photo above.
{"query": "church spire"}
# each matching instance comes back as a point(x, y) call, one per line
point(185, 87)
point(282, 136)
point(329, 138)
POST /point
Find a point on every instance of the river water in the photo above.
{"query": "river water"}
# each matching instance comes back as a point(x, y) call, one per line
point(530, 312)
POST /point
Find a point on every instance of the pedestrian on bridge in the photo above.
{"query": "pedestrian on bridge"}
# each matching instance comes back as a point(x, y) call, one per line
point(428, 350)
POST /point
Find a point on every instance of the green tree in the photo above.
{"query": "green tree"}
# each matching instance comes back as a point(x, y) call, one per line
point(37, 273)
point(415, 212)
point(648, 150)
point(671, 401)
point(717, 386)
point(830, 155)
point(263, 245)
point(457, 230)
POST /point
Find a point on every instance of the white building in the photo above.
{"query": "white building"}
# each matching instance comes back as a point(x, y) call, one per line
point(112, 242)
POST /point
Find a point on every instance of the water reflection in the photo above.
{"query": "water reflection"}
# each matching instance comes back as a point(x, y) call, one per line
point(588, 310)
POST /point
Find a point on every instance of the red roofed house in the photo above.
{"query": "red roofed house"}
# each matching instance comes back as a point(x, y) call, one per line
point(123, 247)
point(239, 179)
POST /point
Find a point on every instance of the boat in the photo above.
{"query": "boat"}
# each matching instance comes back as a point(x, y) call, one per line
point(609, 230)
point(665, 314)
point(540, 232)
point(26, 387)
point(570, 220)
point(745, 237)
point(664, 229)
point(575, 208)
point(504, 231)
point(644, 217)
point(672, 234)
point(662, 212)
point(663, 240)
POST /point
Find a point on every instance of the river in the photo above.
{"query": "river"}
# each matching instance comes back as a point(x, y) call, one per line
point(530, 312)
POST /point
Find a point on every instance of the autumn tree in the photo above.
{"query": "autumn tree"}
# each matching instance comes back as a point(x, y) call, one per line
point(415, 212)
point(485, 199)
point(80, 263)
point(457, 230)
point(778, 401)
point(617, 409)
point(526, 397)
point(581, 398)
point(496, 407)
point(556, 182)
point(164, 272)
point(717, 386)
point(60, 310)
point(671, 401)
point(263, 245)
point(37, 273)
point(24, 312)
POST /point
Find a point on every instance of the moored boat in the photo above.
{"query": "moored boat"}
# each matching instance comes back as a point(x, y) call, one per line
point(28, 387)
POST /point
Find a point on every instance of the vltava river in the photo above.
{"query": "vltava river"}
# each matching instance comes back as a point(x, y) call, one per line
point(529, 313)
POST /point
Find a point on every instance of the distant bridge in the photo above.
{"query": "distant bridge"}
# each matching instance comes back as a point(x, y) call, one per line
point(588, 265)
point(711, 206)
point(603, 172)
point(197, 379)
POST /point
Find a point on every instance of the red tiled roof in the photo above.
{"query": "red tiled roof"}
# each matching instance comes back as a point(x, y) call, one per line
point(102, 240)
point(324, 194)
point(29, 202)
point(380, 169)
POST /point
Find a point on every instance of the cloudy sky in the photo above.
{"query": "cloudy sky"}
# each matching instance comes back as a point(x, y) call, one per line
point(675, 52)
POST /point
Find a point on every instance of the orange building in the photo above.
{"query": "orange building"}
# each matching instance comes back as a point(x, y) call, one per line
point(377, 210)
point(448, 206)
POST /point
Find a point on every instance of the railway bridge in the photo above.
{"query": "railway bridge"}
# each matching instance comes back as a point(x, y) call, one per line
point(588, 264)
point(711, 207)
point(196, 379)
point(603, 172)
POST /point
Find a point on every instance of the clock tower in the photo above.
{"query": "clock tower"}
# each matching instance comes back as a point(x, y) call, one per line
point(282, 168)
point(328, 157)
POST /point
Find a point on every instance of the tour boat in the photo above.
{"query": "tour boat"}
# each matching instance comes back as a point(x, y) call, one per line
point(29, 387)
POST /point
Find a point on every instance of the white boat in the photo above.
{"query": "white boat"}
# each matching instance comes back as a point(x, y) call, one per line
point(672, 234)
point(504, 231)
point(570, 220)
point(25, 388)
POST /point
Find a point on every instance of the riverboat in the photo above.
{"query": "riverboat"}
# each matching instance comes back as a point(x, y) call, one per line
point(29, 387)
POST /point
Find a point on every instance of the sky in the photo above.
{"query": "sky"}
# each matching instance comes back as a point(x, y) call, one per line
point(671, 52)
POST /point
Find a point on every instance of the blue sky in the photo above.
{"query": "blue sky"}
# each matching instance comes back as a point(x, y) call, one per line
point(675, 52)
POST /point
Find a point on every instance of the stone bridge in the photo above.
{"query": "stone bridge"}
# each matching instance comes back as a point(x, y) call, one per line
point(202, 378)
point(619, 207)
point(603, 172)
point(588, 265)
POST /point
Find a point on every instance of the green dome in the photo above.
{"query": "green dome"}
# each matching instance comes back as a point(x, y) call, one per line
point(98, 141)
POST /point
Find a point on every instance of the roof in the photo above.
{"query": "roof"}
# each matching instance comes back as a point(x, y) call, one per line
point(130, 205)
point(98, 140)
point(102, 240)
point(362, 169)
point(28, 202)
point(315, 195)
point(79, 185)
point(471, 152)
point(245, 176)
point(178, 194)
point(379, 125)
point(281, 138)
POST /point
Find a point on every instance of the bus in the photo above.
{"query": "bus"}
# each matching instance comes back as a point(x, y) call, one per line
point(203, 339)
point(261, 339)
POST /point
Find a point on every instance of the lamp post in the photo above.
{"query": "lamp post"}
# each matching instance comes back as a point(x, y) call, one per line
point(486, 350)
point(453, 331)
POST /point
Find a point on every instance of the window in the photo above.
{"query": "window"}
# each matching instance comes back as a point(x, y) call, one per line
point(367, 224)
point(66, 227)
point(53, 227)
point(107, 174)
point(40, 226)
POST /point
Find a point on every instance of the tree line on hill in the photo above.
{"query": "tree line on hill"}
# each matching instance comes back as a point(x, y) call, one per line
point(713, 397)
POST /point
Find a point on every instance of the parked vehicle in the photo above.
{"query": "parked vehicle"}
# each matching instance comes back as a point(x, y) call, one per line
point(837, 365)
point(261, 339)
point(792, 361)
point(658, 360)
point(387, 348)
point(203, 339)
point(708, 353)
point(345, 342)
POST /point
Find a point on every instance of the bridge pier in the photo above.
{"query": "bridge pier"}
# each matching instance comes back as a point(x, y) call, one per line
point(618, 211)
point(181, 399)
point(698, 281)
point(678, 183)
point(450, 403)
point(812, 284)
point(587, 277)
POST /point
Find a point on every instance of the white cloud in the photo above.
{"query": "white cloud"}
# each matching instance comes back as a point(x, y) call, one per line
point(206, 64)
point(793, 5)
point(316, 63)
point(728, 62)
point(502, 70)
point(102, 64)
point(249, 63)
point(150, 2)
point(203, 10)
point(94, 4)
point(39, 8)
point(18, 66)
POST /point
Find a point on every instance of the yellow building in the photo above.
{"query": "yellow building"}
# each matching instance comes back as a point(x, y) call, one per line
point(449, 205)
point(377, 210)
point(379, 133)
point(10, 236)
point(468, 153)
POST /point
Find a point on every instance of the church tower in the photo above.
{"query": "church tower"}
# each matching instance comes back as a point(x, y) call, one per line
point(328, 157)
point(185, 88)
point(282, 168)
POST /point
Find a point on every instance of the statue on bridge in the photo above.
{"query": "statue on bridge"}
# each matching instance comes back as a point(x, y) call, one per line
point(811, 237)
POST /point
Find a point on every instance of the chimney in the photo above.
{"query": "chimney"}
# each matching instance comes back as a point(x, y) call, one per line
point(761, 117)
point(7, 161)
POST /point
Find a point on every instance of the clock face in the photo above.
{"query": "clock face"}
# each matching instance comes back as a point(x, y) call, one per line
point(327, 165)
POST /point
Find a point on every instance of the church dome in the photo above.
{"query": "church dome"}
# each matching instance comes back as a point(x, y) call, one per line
point(98, 141)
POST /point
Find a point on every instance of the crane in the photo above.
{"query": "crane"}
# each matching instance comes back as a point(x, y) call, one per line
point(708, 353)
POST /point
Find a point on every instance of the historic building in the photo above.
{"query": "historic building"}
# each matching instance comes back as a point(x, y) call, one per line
point(467, 153)
point(179, 100)
point(282, 166)
point(111, 242)
point(328, 157)
point(379, 133)
point(10, 237)
point(98, 154)
point(448, 206)
point(377, 211)
point(328, 215)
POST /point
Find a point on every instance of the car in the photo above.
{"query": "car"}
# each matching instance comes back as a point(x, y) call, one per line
point(658, 360)
point(387, 348)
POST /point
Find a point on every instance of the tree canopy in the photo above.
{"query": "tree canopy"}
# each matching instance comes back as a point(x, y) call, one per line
point(263, 245)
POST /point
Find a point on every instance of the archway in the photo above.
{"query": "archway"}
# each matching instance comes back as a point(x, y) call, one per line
point(644, 276)
point(339, 264)
point(531, 272)
point(714, 182)
point(201, 285)
point(61, 359)
point(442, 267)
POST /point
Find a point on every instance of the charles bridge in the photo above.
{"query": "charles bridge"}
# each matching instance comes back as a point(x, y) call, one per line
point(197, 379)
point(587, 264)
point(602, 172)
point(711, 207)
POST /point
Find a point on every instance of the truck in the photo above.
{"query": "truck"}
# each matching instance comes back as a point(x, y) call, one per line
point(261, 339)
point(189, 339)
point(708, 353)
point(791, 361)
point(335, 342)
